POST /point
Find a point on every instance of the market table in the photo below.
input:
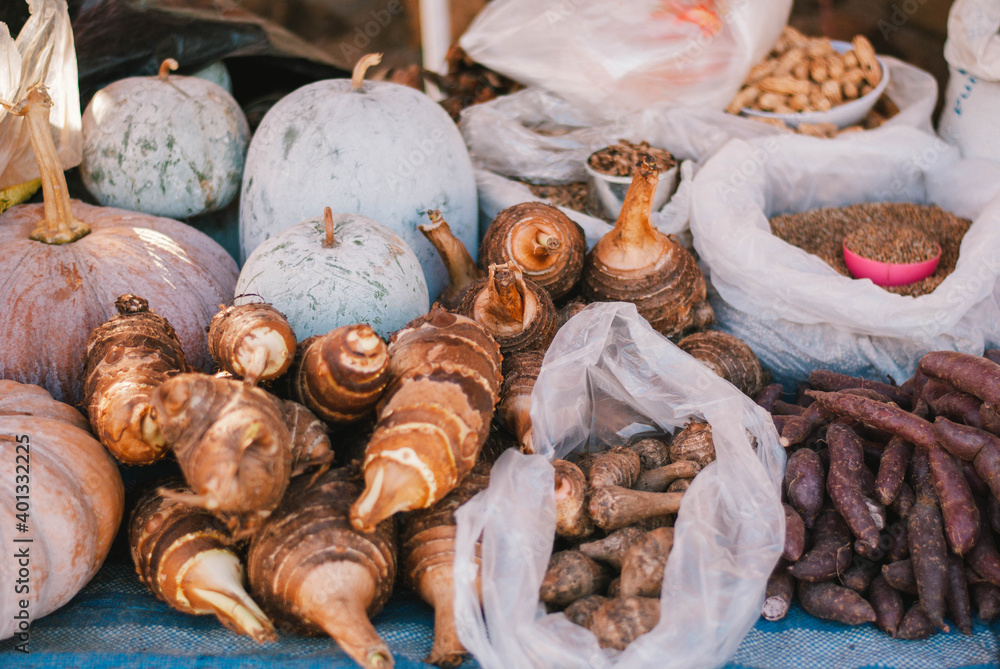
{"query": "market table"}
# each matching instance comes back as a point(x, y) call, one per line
point(116, 623)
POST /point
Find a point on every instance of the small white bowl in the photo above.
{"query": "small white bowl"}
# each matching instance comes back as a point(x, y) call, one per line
point(607, 191)
point(849, 113)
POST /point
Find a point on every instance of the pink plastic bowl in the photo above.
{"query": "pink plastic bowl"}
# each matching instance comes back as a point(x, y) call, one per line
point(889, 274)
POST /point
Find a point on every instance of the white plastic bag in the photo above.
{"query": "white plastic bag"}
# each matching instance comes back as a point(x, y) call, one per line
point(42, 53)
point(607, 375)
point(610, 58)
point(970, 118)
point(535, 136)
point(793, 309)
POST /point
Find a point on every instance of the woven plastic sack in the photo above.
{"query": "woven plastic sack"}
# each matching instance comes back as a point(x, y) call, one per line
point(969, 118)
point(42, 53)
point(537, 137)
point(795, 311)
point(611, 58)
point(606, 376)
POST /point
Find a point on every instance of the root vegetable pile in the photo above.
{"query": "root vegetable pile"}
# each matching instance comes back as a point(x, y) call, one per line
point(893, 491)
point(614, 533)
point(252, 342)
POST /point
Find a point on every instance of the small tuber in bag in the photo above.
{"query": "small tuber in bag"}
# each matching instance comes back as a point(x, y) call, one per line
point(609, 375)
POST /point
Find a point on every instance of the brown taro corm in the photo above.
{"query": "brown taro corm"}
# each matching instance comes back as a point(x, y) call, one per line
point(252, 342)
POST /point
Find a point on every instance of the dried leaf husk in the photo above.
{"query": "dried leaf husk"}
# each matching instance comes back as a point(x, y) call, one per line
point(694, 442)
point(427, 551)
point(520, 371)
point(637, 263)
point(185, 556)
point(341, 375)
point(252, 342)
point(514, 310)
point(127, 358)
point(230, 440)
point(445, 379)
point(729, 357)
point(545, 243)
point(462, 269)
point(314, 573)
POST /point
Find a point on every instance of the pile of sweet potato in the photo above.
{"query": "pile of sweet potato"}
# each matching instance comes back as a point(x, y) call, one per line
point(891, 497)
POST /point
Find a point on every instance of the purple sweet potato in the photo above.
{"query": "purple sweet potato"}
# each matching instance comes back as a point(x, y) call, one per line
point(993, 513)
point(858, 577)
point(916, 624)
point(969, 443)
point(797, 428)
point(778, 595)
point(844, 487)
point(929, 554)
point(821, 379)
point(768, 395)
point(989, 418)
point(959, 407)
point(959, 604)
point(899, 575)
point(904, 501)
point(882, 416)
point(892, 469)
point(899, 546)
point(781, 408)
point(992, 354)
point(986, 600)
point(805, 484)
point(958, 508)
point(887, 603)
point(831, 553)
point(795, 535)
point(835, 602)
point(984, 557)
point(971, 374)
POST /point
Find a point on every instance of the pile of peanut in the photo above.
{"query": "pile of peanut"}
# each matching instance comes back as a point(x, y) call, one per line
point(805, 74)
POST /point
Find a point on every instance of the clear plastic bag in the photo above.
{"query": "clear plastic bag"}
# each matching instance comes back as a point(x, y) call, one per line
point(797, 312)
point(607, 375)
point(610, 58)
point(537, 137)
point(42, 53)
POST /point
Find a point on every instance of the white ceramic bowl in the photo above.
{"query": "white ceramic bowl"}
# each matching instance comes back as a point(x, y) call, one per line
point(607, 191)
point(842, 115)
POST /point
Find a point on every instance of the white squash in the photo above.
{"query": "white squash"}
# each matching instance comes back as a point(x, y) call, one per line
point(338, 270)
point(170, 146)
point(378, 149)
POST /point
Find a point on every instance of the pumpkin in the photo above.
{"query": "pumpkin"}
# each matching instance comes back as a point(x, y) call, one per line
point(379, 149)
point(63, 263)
point(167, 145)
point(337, 270)
point(71, 504)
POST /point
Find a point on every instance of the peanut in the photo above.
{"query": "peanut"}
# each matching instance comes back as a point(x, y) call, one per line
point(820, 102)
point(835, 65)
point(801, 70)
point(850, 60)
point(771, 101)
point(865, 53)
point(785, 85)
point(831, 91)
point(799, 102)
point(761, 70)
point(819, 71)
point(853, 76)
point(745, 98)
point(850, 90)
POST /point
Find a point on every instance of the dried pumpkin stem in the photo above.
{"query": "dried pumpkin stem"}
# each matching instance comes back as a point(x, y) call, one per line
point(329, 242)
point(59, 226)
point(166, 67)
point(366, 61)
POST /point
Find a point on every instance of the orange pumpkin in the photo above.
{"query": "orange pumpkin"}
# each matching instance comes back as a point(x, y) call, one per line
point(70, 502)
point(62, 264)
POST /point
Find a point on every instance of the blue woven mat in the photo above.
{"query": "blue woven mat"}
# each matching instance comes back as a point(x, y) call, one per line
point(116, 623)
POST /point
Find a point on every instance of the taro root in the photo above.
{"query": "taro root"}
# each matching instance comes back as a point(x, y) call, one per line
point(612, 548)
point(612, 507)
point(313, 572)
point(434, 417)
point(185, 556)
point(308, 439)
point(618, 466)
point(568, 310)
point(570, 576)
point(253, 342)
point(572, 517)
point(545, 243)
point(127, 358)
point(618, 621)
point(637, 263)
point(230, 440)
point(694, 442)
point(427, 551)
point(644, 562)
point(462, 269)
point(582, 610)
point(660, 479)
point(340, 375)
point(729, 357)
point(513, 309)
point(520, 371)
point(653, 452)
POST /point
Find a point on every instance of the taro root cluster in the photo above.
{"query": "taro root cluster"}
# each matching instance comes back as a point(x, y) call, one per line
point(891, 494)
point(614, 531)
